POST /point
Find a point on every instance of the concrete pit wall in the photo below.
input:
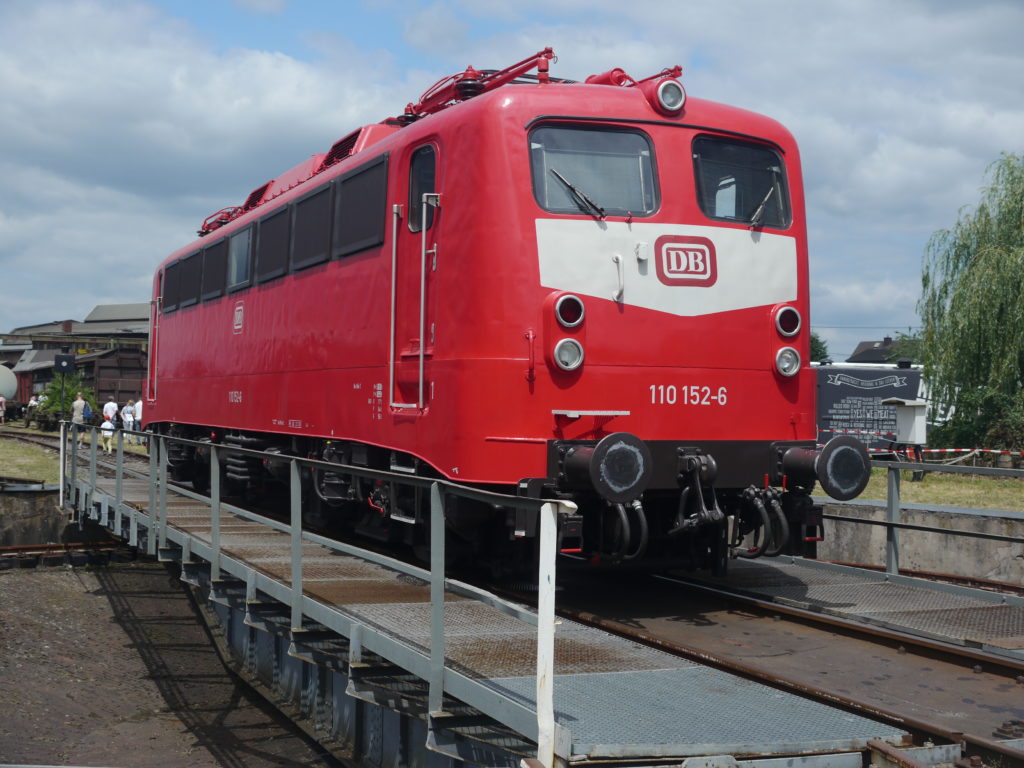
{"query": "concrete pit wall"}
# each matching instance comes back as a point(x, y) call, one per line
point(923, 551)
point(29, 515)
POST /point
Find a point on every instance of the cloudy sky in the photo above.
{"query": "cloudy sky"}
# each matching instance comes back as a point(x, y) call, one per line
point(124, 123)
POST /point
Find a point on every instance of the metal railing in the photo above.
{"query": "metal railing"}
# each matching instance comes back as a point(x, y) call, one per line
point(539, 726)
point(893, 523)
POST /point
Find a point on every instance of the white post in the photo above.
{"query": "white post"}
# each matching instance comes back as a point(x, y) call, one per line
point(63, 441)
point(295, 484)
point(546, 637)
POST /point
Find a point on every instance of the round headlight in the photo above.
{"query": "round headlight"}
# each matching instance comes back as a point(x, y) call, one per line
point(568, 354)
point(787, 361)
point(569, 310)
point(671, 95)
point(787, 321)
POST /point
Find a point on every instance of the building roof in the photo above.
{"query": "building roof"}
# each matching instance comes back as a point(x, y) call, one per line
point(111, 328)
point(137, 312)
point(56, 326)
point(35, 359)
point(873, 352)
point(104, 320)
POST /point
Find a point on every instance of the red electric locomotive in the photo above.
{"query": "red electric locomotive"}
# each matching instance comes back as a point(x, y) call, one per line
point(595, 291)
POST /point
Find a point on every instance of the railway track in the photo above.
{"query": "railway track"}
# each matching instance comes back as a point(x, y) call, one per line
point(79, 553)
point(935, 691)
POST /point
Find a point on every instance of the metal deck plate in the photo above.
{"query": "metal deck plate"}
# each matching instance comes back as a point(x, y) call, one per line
point(692, 711)
point(872, 597)
point(1000, 625)
point(915, 606)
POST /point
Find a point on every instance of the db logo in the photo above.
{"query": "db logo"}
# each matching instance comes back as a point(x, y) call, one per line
point(686, 261)
point(238, 321)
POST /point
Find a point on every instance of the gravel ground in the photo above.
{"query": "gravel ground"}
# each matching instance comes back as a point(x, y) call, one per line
point(111, 667)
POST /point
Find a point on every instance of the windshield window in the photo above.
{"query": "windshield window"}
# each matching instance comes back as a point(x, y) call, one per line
point(741, 181)
point(598, 172)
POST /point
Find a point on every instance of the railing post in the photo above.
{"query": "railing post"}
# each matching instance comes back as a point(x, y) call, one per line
point(119, 482)
point(546, 636)
point(154, 478)
point(63, 456)
point(164, 472)
point(436, 696)
point(74, 468)
point(92, 467)
point(296, 534)
point(892, 515)
point(215, 511)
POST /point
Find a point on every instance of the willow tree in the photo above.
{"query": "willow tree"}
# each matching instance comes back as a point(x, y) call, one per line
point(972, 312)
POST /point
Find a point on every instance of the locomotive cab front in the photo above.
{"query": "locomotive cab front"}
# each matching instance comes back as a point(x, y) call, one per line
point(673, 387)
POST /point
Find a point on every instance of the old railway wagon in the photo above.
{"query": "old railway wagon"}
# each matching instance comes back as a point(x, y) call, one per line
point(595, 291)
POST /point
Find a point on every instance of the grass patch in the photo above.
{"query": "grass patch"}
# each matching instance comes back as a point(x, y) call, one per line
point(981, 492)
point(29, 462)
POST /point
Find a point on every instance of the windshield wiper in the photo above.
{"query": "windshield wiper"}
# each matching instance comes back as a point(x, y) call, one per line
point(755, 220)
point(582, 199)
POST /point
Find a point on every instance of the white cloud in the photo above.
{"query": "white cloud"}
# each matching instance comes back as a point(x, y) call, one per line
point(122, 128)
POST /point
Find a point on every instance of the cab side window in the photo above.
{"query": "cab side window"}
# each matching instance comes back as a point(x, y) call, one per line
point(422, 179)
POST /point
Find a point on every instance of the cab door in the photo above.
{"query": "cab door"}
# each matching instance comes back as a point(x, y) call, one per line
point(415, 220)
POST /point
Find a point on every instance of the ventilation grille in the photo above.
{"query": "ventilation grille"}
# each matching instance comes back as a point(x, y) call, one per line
point(255, 197)
point(342, 148)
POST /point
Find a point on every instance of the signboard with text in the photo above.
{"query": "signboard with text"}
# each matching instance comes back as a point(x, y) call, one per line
point(850, 401)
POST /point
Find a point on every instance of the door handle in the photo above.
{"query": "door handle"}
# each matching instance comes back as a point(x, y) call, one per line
point(622, 278)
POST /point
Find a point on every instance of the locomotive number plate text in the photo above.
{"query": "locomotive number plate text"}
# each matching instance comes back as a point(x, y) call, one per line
point(691, 394)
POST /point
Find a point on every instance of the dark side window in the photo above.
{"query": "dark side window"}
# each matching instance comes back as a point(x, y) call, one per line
point(741, 181)
point(612, 169)
point(311, 233)
point(240, 259)
point(422, 179)
point(272, 248)
point(190, 280)
point(215, 260)
point(169, 286)
point(360, 208)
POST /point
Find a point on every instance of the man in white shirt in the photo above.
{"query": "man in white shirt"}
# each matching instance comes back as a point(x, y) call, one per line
point(138, 418)
point(110, 410)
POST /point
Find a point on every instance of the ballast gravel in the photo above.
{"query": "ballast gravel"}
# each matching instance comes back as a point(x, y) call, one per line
point(111, 666)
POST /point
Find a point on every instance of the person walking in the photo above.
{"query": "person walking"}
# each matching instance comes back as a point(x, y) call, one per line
point(128, 420)
point(3, 408)
point(110, 410)
point(107, 435)
point(30, 409)
point(78, 416)
point(138, 418)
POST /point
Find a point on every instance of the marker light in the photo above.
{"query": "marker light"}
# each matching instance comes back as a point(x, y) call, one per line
point(788, 321)
point(569, 310)
point(568, 354)
point(671, 95)
point(787, 361)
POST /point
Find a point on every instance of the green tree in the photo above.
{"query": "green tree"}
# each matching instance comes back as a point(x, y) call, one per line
point(62, 391)
point(907, 345)
point(819, 348)
point(972, 312)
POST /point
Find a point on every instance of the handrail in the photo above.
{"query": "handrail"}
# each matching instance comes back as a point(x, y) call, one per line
point(892, 522)
point(550, 737)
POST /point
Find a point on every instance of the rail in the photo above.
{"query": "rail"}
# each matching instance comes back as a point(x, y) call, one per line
point(893, 523)
point(539, 726)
